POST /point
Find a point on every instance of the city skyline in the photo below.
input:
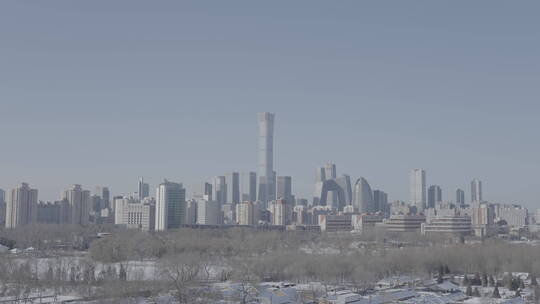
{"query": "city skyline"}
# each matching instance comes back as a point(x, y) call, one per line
point(375, 93)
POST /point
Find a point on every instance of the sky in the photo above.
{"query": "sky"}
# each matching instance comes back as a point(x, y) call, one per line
point(101, 92)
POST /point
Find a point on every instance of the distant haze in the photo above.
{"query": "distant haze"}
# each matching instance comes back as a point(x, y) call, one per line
point(102, 92)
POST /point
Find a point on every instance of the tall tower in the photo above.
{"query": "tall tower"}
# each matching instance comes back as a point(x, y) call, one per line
point(170, 206)
point(417, 189)
point(363, 197)
point(434, 196)
point(284, 189)
point(144, 189)
point(267, 177)
point(476, 191)
point(460, 197)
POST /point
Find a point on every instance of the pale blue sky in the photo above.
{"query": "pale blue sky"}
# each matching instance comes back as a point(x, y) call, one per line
point(101, 92)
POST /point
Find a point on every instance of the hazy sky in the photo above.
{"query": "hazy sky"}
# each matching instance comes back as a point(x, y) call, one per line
point(102, 92)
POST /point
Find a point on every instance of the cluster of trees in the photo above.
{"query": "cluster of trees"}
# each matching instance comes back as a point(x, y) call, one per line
point(189, 261)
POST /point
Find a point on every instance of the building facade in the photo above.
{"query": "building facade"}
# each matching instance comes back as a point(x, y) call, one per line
point(267, 176)
point(417, 189)
point(21, 208)
point(170, 206)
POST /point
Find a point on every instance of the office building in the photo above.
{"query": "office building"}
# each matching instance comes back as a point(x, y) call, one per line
point(232, 181)
point(3, 206)
point(247, 213)
point(219, 189)
point(281, 213)
point(363, 197)
point(284, 189)
point(380, 199)
point(202, 191)
point(143, 189)
point(513, 215)
point(191, 211)
point(417, 189)
point(364, 222)
point(170, 206)
point(267, 176)
point(21, 208)
point(248, 187)
point(137, 215)
point(476, 191)
point(404, 223)
point(455, 225)
point(208, 212)
point(339, 188)
point(334, 223)
point(434, 196)
point(460, 198)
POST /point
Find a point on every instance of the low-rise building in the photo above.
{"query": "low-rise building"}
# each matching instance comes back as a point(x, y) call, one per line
point(404, 223)
point(333, 223)
point(457, 225)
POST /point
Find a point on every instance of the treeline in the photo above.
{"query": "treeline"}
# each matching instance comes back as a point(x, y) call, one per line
point(304, 256)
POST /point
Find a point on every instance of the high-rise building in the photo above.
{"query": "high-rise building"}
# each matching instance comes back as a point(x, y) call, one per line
point(281, 213)
point(267, 176)
point(232, 181)
point(219, 189)
point(191, 211)
point(381, 201)
point(434, 196)
point(247, 213)
point(321, 175)
point(363, 197)
point(3, 206)
point(57, 212)
point(460, 198)
point(79, 203)
point(284, 189)
point(170, 206)
point(417, 189)
point(330, 172)
point(21, 209)
point(143, 189)
point(104, 195)
point(248, 187)
point(208, 212)
point(202, 191)
point(476, 191)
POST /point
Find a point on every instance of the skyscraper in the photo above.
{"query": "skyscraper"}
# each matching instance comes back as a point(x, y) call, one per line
point(202, 191)
point(21, 209)
point(144, 189)
point(434, 196)
point(232, 180)
point(248, 187)
point(208, 212)
point(219, 189)
point(363, 197)
point(460, 197)
point(417, 189)
point(381, 201)
point(284, 189)
point(476, 191)
point(104, 196)
point(170, 206)
point(2, 207)
point(80, 204)
point(330, 172)
point(267, 183)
